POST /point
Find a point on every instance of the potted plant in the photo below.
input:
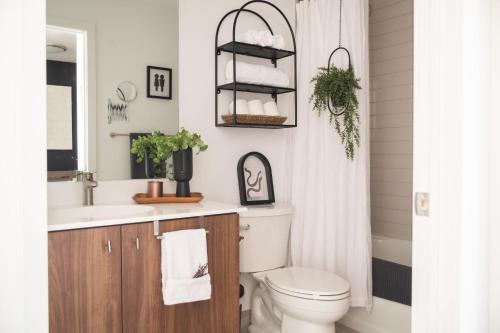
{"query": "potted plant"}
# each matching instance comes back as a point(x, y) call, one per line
point(151, 149)
point(335, 90)
point(180, 146)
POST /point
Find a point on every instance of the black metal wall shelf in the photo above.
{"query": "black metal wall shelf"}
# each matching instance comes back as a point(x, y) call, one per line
point(256, 51)
point(255, 125)
point(255, 88)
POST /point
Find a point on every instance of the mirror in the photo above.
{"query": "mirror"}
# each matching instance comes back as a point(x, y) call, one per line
point(126, 91)
point(98, 56)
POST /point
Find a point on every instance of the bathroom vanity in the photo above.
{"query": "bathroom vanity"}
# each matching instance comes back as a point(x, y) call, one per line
point(105, 275)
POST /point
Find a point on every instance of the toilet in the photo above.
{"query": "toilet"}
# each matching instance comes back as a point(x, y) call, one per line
point(286, 299)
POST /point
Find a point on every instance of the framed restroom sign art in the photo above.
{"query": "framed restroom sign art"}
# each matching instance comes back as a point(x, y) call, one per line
point(159, 82)
point(255, 180)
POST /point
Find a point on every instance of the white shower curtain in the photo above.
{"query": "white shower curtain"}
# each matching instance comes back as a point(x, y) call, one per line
point(331, 226)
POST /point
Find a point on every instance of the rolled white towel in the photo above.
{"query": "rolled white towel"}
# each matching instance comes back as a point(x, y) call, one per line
point(257, 74)
point(265, 38)
point(255, 106)
point(262, 38)
point(241, 107)
point(278, 42)
point(249, 37)
point(271, 109)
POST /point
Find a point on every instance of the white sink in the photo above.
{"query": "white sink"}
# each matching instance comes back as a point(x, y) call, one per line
point(97, 212)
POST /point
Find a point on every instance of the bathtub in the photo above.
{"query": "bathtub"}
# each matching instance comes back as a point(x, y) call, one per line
point(386, 316)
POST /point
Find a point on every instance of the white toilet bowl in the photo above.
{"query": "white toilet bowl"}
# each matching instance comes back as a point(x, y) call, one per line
point(298, 300)
point(291, 299)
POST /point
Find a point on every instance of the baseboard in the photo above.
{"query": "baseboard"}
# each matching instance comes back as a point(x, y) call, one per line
point(360, 325)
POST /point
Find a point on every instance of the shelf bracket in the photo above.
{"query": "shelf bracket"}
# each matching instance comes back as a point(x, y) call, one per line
point(274, 96)
point(218, 91)
point(273, 61)
point(219, 52)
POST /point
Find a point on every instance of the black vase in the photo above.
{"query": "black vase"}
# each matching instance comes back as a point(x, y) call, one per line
point(152, 170)
point(183, 171)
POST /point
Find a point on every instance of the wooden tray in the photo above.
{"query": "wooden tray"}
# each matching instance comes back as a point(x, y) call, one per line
point(144, 198)
point(254, 119)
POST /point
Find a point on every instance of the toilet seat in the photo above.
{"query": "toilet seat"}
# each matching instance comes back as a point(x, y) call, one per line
point(308, 283)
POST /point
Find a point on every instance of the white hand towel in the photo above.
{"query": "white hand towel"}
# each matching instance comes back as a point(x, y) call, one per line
point(257, 74)
point(183, 253)
point(255, 106)
point(271, 109)
point(241, 107)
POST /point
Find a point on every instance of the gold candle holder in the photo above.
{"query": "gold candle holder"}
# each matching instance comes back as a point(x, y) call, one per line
point(155, 188)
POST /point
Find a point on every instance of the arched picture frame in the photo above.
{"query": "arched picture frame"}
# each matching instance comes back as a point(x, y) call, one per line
point(255, 179)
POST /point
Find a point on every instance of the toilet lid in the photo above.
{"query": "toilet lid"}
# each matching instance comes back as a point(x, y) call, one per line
point(307, 282)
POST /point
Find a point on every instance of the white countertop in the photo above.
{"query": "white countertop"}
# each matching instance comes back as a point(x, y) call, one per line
point(60, 218)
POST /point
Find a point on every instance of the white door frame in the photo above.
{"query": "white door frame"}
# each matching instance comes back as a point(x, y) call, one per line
point(23, 175)
point(451, 105)
point(494, 216)
point(87, 122)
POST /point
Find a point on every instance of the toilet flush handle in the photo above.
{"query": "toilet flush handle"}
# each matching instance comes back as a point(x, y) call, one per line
point(245, 227)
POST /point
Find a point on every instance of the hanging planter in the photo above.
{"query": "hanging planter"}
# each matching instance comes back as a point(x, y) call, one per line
point(335, 91)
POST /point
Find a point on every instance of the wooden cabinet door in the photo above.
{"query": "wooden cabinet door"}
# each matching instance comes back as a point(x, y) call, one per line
point(143, 308)
point(85, 281)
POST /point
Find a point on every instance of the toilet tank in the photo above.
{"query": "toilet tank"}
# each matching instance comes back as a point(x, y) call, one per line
point(265, 231)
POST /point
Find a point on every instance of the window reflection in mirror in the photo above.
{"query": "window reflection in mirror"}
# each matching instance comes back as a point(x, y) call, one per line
point(93, 48)
point(65, 102)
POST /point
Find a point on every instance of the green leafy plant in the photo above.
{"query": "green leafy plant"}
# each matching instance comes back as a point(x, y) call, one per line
point(159, 147)
point(337, 88)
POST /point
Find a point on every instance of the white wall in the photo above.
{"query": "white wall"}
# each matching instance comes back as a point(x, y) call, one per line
point(391, 121)
point(61, 194)
point(494, 190)
point(23, 249)
point(130, 35)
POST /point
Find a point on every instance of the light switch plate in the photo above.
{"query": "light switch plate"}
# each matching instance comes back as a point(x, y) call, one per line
point(422, 203)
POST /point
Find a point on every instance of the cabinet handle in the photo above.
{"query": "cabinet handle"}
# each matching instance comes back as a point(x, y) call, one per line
point(108, 245)
point(137, 244)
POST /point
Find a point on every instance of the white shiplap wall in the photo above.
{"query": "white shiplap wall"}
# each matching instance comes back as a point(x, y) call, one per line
point(391, 76)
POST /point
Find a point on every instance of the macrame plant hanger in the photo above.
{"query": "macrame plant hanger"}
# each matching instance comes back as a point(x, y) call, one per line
point(331, 108)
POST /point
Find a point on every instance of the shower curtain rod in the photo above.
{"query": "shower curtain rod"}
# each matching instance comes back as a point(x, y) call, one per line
point(370, 7)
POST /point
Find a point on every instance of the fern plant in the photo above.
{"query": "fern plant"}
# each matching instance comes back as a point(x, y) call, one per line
point(337, 87)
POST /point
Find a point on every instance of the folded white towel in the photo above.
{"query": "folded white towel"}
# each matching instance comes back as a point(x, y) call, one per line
point(184, 256)
point(257, 74)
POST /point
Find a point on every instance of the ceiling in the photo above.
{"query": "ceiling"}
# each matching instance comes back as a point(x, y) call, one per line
point(166, 3)
point(63, 38)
